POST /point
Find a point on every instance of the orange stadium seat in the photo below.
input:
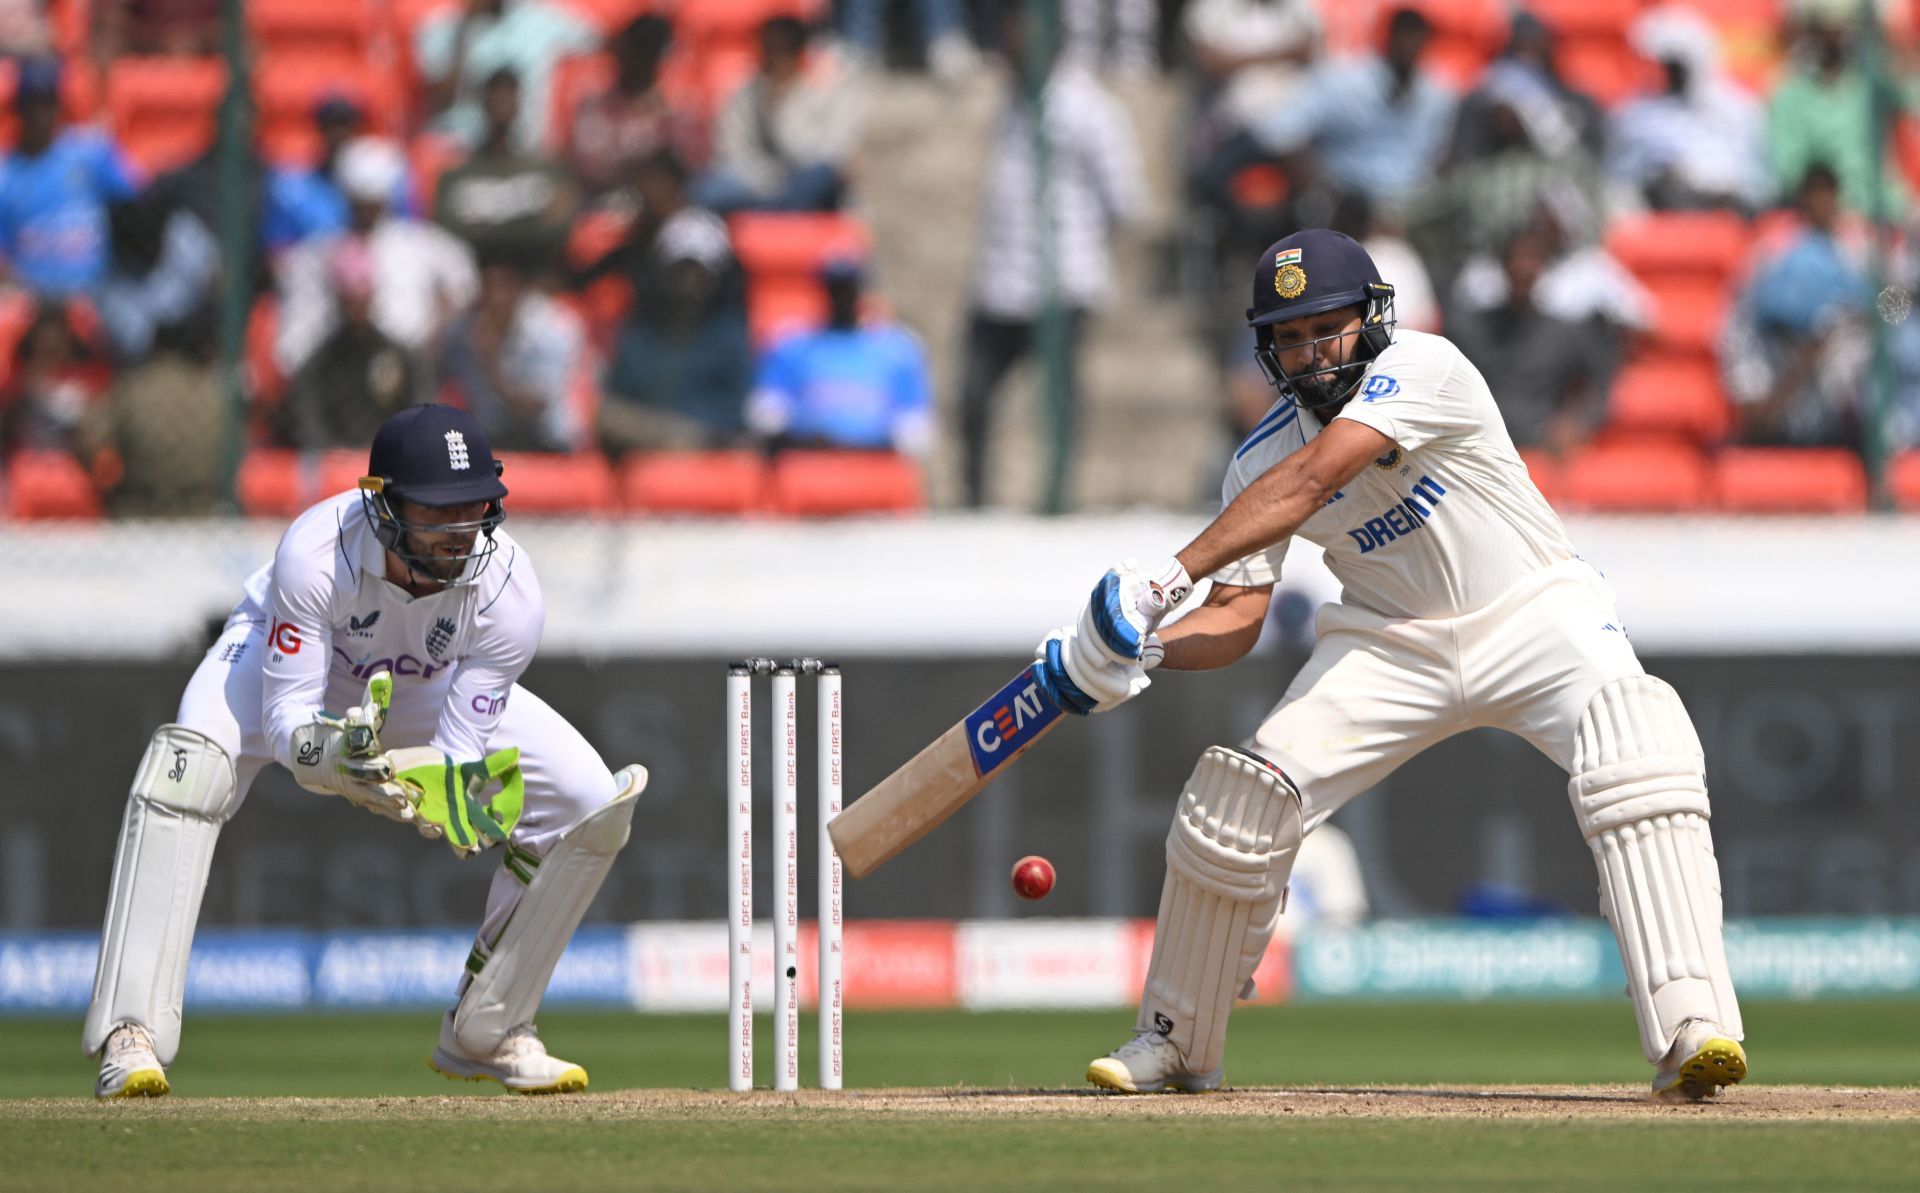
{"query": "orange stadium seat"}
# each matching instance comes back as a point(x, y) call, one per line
point(559, 483)
point(1544, 469)
point(609, 15)
point(48, 485)
point(287, 90)
point(1689, 316)
point(1699, 245)
point(1669, 395)
point(1593, 53)
point(778, 306)
point(832, 483)
point(340, 470)
point(163, 109)
point(263, 370)
point(270, 484)
point(1637, 476)
point(794, 245)
point(720, 482)
point(338, 32)
point(1466, 36)
point(1790, 480)
point(1903, 480)
point(574, 79)
point(711, 23)
point(602, 305)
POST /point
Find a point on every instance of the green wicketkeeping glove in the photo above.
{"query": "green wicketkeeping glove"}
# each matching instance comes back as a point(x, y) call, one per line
point(451, 795)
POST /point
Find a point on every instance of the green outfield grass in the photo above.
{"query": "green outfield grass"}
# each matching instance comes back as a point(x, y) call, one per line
point(561, 1145)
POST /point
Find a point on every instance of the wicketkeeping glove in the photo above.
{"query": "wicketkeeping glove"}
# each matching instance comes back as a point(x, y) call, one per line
point(451, 796)
point(340, 755)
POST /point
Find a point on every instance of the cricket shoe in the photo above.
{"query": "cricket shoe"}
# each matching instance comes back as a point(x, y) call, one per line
point(1149, 1064)
point(128, 1066)
point(1703, 1058)
point(520, 1063)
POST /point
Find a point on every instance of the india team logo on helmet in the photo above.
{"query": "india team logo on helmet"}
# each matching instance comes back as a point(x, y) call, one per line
point(1289, 275)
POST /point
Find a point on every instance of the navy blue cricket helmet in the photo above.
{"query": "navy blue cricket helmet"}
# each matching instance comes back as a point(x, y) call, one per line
point(434, 456)
point(1308, 273)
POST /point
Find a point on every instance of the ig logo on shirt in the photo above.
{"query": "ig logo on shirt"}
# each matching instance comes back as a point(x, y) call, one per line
point(1379, 386)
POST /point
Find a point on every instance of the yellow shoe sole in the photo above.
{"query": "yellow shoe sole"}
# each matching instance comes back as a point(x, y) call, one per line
point(572, 1081)
point(1719, 1062)
point(144, 1083)
point(1108, 1073)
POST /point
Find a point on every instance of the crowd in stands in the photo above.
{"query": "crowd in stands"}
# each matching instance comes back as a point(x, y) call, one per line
point(1662, 231)
point(624, 231)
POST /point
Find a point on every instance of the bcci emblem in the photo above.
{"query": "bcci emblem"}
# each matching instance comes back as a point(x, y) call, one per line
point(1289, 278)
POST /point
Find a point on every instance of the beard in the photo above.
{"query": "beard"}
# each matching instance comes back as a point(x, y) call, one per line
point(441, 569)
point(1329, 388)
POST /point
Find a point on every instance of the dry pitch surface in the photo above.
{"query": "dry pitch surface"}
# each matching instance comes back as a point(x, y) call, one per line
point(1542, 1102)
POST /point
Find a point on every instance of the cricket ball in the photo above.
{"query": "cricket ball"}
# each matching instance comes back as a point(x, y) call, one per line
point(1032, 877)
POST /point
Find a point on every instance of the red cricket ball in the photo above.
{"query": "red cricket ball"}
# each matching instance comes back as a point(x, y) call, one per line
point(1032, 877)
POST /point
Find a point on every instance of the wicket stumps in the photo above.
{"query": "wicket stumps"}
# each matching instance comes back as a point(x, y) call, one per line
point(786, 916)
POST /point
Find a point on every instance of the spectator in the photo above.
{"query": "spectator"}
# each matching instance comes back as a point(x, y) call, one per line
point(616, 129)
point(501, 200)
point(359, 374)
point(1414, 306)
point(1118, 35)
point(1250, 57)
point(1697, 143)
point(163, 426)
point(853, 384)
point(302, 203)
point(785, 140)
point(682, 363)
point(458, 51)
point(1376, 124)
point(1581, 281)
point(513, 360)
point(939, 31)
point(1572, 115)
point(1796, 349)
point(1479, 203)
point(1549, 375)
point(422, 275)
point(55, 188)
point(52, 385)
point(1093, 183)
point(23, 29)
point(1822, 111)
point(164, 265)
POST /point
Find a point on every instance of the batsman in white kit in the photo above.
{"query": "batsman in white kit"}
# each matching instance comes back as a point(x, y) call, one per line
point(407, 605)
point(1463, 605)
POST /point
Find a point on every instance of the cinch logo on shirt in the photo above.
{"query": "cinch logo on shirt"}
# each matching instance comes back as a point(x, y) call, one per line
point(404, 664)
point(1404, 517)
point(1008, 722)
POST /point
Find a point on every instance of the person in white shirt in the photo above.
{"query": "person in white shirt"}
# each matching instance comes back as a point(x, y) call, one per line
point(423, 275)
point(406, 604)
point(1463, 605)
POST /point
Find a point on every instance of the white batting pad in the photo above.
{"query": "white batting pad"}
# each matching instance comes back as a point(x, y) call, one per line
point(182, 793)
point(511, 978)
point(1229, 852)
point(1639, 789)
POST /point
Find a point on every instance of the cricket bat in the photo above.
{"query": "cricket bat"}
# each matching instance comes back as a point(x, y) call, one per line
point(939, 780)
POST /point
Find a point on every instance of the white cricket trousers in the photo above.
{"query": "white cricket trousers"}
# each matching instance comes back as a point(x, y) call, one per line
point(565, 777)
point(1377, 690)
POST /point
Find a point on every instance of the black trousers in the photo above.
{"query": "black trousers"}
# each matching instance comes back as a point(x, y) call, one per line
point(995, 345)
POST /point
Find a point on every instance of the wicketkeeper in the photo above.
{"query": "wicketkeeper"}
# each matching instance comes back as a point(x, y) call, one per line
point(406, 605)
point(1464, 605)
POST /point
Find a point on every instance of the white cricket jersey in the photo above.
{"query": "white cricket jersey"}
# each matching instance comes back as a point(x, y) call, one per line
point(333, 619)
point(1440, 525)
